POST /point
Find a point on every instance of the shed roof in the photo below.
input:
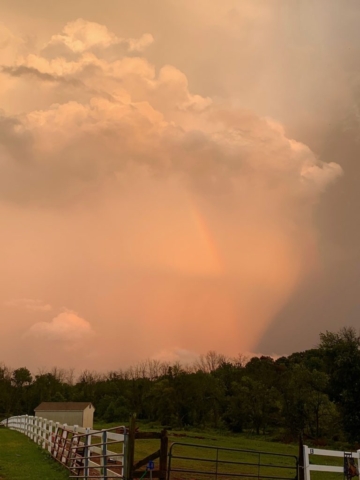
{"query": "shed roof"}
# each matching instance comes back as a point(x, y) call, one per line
point(63, 406)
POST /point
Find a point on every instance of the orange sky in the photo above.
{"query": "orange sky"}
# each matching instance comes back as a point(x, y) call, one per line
point(161, 171)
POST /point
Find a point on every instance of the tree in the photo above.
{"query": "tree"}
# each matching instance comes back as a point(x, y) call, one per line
point(341, 352)
point(5, 391)
point(21, 377)
point(210, 361)
point(21, 380)
point(44, 388)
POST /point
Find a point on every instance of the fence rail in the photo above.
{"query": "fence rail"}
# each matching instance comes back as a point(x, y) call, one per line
point(347, 456)
point(109, 454)
point(221, 463)
point(85, 452)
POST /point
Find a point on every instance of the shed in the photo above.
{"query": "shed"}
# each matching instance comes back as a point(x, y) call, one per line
point(71, 413)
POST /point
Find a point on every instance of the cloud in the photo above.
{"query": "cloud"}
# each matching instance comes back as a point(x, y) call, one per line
point(29, 304)
point(10, 45)
point(80, 36)
point(67, 327)
point(124, 114)
point(165, 207)
point(18, 71)
point(73, 145)
point(119, 113)
point(176, 354)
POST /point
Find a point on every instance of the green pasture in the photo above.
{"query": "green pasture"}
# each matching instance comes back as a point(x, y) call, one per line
point(208, 437)
point(22, 459)
point(204, 459)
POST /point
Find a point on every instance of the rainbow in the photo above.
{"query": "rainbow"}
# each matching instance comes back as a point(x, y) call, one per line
point(206, 237)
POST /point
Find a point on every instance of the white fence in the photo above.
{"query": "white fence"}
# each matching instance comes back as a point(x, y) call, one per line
point(311, 467)
point(85, 452)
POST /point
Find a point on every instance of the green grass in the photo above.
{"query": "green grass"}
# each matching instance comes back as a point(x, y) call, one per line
point(207, 437)
point(22, 459)
point(204, 459)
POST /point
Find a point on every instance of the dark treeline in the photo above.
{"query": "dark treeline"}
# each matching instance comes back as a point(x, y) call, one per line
point(315, 392)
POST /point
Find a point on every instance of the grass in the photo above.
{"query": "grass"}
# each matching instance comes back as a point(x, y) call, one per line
point(207, 437)
point(22, 459)
point(203, 459)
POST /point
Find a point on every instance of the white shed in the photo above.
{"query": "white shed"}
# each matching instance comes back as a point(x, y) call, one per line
point(71, 413)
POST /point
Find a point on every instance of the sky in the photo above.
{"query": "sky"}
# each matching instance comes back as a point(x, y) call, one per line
point(176, 177)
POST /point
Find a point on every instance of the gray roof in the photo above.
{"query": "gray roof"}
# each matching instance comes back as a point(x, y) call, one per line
point(63, 406)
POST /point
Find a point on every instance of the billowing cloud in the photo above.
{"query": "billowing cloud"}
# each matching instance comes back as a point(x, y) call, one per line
point(67, 327)
point(130, 116)
point(80, 36)
point(163, 215)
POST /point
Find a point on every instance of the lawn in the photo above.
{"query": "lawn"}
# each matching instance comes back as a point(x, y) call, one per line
point(22, 459)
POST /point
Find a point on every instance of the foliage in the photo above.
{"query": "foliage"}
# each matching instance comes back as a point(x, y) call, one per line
point(313, 393)
point(341, 352)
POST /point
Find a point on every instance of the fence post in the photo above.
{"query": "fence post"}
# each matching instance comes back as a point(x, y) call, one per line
point(50, 436)
point(306, 463)
point(301, 473)
point(104, 454)
point(39, 430)
point(164, 443)
point(46, 426)
point(130, 449)
point(63, 441)
point(56, 440)
point(87, 454)
point(34, 428)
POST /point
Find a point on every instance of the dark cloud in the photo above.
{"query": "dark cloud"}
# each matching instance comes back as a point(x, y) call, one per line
point(21, 70)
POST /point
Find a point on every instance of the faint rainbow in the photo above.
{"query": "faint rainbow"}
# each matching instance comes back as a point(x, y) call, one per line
point(206, 237)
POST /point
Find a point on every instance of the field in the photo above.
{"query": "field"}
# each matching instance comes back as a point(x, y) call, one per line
point(203, 459)
point(191, 446)
point(227, 440)
point(22, 459)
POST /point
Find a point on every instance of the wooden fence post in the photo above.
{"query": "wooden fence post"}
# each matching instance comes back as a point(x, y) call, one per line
point(130, 449)
point(301, 473)
point(163, 461)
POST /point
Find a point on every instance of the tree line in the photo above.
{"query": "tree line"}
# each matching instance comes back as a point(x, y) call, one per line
point(314, 393)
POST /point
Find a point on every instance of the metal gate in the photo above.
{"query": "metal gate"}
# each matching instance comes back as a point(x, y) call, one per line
point(199, 462)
